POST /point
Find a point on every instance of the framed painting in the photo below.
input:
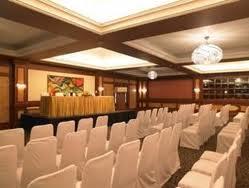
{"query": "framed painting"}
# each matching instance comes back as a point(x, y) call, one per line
point(65, 85)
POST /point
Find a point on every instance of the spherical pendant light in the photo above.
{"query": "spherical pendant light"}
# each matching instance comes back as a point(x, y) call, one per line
point(207, 54)
point(152, 75)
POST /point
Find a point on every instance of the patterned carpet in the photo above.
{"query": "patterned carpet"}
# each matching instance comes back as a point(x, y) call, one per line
point(188, 157)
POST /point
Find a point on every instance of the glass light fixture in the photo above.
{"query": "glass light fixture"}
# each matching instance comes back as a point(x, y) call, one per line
point(207, 53)
point(152, 75)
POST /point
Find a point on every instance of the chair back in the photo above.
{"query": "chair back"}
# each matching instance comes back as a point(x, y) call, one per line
point(14, 137)
point(97, 142)
point(39, 159)
point(160, 115)
point(126, 175)
point(63, 129)
point(101, 121)
point(219, 183)
point(98, 172)
point(42, 131)
point(86, 124)
point(154, 116)
point(64, 178)
point(131, 130)
point(73, 151)
point(117, 136)
point(8, 166)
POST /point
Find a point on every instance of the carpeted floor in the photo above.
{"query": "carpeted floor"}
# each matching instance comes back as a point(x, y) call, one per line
point(188, 157)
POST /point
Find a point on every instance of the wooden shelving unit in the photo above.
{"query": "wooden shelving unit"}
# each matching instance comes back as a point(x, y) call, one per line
point(226, 88)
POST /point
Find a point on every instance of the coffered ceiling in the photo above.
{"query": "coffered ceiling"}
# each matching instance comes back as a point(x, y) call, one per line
point(155, 35)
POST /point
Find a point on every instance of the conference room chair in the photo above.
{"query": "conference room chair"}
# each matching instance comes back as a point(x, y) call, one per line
point(240, 115)
point(140, 119)
point(167, 120)
point(117, 136)
point(160, 115)
point(39, 159)
point(86, 124)
point(41, 131)
point(101, 121)
point(193, 179)
point(131, 130)
point(173, 157)
point(73, 151)
point(125, 176)
point(98, 172)
point(144, 127)
point(14, 137)
point(153, 116)
point(63, 129)
point(8, 166)
point(97, 142)
point(193, 136)
point(162, 157)
point(147, 162)
point(64, 178)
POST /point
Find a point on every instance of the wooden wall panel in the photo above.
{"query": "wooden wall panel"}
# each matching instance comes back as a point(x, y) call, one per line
point(4, 99)
point(132, 96)
point(108, 89)
point(171, 89)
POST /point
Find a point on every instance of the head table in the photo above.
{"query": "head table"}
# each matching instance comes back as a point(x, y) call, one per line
point(59, 106)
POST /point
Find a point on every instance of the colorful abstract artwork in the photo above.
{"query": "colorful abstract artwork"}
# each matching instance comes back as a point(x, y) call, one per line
point(65, 85)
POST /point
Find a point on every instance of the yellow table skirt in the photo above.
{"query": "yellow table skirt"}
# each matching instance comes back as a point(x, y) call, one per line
point(76, 106)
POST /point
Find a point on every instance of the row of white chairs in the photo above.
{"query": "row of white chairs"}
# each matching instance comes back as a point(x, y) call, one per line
point(99, 171)
point(214, 165)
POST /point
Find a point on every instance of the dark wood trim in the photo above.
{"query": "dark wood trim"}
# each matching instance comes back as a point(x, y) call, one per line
point(33, 103)
point(4, 74)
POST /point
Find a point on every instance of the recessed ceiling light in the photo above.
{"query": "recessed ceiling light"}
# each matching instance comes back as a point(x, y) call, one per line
point(237, 66)
point(99, 58)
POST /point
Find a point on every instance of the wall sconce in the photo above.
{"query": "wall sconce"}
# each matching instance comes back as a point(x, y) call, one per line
point(142, 90)
point(197, 90)
point(100, 89)
point(21, 86)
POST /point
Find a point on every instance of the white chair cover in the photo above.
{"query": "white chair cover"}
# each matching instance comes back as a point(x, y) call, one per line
point(160, 115)
point(147, 167)
point(8, 166)
point(97, 142)
point(98, 172)
point(73, 151)
point(64, 178)
point(101, 121)
point(173, 156)
point(144, 126)
point(154, 116)
point(131, 130)
point(117, 136)
point(39, 159)
point(125, 176)
point(42, 131)
point(62, 129)
point(163, 153)
point(86, 124)
point(219, 183)
point(168, 120)
point(14, 137)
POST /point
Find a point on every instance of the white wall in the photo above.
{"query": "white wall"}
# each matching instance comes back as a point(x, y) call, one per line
point(37, 82)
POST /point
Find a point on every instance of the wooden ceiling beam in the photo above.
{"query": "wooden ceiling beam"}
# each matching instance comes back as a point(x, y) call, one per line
point(216, 15)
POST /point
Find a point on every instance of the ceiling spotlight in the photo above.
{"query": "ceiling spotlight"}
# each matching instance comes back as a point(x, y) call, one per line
point(152, 75)
point(207, 53)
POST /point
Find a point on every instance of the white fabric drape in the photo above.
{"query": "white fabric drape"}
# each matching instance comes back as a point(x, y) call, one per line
point(97, 142)
point(98, 172)
point(101, 121)
point(14, 137)
point(125, 176)
point(73, 151)
point(39, 159)
point(131, 130)
point(147, 168)
point(86, 124)
point(62, 129)
point(8, 166)
point(64, 178)
point(117, 136)
point(42, 131)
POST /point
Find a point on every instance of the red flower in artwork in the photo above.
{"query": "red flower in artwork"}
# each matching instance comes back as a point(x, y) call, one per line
point(78, 82)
